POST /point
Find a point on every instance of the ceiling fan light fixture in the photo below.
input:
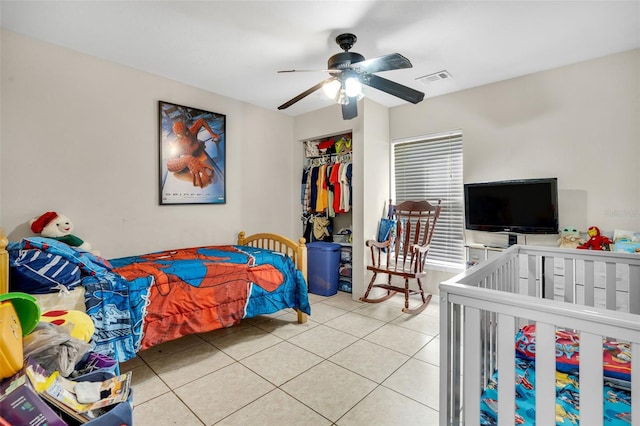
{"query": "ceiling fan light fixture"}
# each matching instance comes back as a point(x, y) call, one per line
point(331, 89)
point(353, 87)
point(342, 98)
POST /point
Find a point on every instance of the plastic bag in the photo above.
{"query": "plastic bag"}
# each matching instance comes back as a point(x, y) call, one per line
point(54, 349)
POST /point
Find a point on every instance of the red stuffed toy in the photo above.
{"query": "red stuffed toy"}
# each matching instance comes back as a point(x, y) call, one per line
point(596, 241)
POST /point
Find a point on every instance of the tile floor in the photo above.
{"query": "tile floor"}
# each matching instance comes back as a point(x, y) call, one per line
point(350, 364)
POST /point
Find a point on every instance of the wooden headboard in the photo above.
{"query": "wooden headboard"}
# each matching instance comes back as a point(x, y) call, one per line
point(296, 251)
point(4, 263)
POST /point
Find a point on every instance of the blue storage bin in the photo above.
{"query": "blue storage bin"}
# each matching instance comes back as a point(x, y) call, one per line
point(323, 262)
point(120, 414)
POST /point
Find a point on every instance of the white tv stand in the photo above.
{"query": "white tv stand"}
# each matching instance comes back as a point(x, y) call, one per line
point(478, 253)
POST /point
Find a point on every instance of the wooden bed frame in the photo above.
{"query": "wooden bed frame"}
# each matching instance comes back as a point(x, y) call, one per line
point(597, 295)
point(296, 251)
point(4, 264)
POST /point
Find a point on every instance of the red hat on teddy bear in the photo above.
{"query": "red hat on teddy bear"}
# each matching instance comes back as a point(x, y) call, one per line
point(38, 225)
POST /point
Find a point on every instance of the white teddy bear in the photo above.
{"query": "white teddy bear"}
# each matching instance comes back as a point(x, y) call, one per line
point(58, 227)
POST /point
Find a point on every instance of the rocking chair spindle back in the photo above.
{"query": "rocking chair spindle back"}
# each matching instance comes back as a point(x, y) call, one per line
point(405, 252)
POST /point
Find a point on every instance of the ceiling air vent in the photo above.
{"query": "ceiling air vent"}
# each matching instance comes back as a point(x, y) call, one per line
point(436, 76)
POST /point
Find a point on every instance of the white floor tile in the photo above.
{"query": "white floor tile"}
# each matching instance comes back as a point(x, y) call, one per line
point(370, 360)
point(276, 408)
point(430, 353)
point(191, 365)
point(423, 323)
point(164, 411)
point(280, 363)
point(417, 380)
point(344, 301)
point(399, 339)
point(355, 324)
point(380, 311)
point(329, 389)
point(352, 363)
point(323, 341)
point(221, 393)
point(170, 348)
point(322, 312)
point(147, 385)
point(245, 342)
point(384, 407)
point(285, 326)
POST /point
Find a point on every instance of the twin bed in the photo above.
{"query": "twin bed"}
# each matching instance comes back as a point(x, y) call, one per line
point(542, 336)
point(137, 302)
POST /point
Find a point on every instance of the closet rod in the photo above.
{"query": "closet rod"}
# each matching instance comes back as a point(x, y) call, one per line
point(329, 158)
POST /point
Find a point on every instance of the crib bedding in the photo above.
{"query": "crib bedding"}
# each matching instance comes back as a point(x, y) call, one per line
point(616, 387)
point(616, 400)
point(140, 301)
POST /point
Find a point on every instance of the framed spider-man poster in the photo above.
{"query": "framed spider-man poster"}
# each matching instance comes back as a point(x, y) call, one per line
point(192, 155)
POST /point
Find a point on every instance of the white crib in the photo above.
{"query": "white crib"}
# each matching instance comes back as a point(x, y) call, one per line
point(594, 293)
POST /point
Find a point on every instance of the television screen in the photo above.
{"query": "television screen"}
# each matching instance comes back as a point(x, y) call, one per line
point(528, 206)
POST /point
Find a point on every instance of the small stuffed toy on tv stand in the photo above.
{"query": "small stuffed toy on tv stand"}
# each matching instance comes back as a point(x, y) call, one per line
point(58, 227)
point(570, 237)
point(595, 241)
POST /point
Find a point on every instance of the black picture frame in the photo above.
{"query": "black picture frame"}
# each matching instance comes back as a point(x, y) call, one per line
point(192, 159)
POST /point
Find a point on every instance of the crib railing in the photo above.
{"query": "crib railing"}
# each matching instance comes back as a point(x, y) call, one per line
point(482, 309)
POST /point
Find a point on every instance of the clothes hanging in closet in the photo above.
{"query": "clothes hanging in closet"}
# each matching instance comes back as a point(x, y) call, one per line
point(326, 188)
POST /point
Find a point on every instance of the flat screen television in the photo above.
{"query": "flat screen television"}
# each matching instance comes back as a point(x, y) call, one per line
point(527, 206)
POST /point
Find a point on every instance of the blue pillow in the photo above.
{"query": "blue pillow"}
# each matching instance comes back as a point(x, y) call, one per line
point(88, 262)
point(37, 272)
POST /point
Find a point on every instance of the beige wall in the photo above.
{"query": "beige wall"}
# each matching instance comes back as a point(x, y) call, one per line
point(80, 136)
point(579, 123)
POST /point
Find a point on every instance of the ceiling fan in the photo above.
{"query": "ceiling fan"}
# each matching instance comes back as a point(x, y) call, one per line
point(350, 70)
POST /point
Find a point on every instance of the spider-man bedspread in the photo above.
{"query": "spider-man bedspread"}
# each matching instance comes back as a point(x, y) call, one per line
point(149, 299)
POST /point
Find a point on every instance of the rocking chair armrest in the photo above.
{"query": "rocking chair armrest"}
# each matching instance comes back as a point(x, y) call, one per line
point(376, 244)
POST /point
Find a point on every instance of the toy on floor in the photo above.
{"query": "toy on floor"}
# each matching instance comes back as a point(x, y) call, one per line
point(595, 241)
point(80, 324)
point(570, 237)
point(58, 227)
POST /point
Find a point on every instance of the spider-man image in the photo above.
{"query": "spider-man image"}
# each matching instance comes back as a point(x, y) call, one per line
point(188, 153)
point(192, 155)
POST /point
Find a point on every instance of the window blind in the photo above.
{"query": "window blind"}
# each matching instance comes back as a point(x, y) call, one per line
point(430, 168)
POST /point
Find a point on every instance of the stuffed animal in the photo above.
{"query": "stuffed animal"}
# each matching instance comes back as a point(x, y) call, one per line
point(58, 227)
point(595, 241)
point(80, 325)
point(570, 237)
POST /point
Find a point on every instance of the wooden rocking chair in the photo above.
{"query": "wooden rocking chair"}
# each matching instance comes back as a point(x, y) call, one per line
point(404, 252)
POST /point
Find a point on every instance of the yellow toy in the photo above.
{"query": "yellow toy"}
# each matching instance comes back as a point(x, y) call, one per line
point(81, 325)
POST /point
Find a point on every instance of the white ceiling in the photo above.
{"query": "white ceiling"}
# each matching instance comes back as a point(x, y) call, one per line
point(235, 48)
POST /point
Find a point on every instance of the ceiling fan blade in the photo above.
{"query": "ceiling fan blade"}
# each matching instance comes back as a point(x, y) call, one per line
point(304, 94)
point(392, 88)
point(393, 61)
point(350, 110)
point(285, 71)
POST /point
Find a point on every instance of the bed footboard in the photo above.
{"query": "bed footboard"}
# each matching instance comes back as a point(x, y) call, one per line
point(296, 251)
point(483, 308)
